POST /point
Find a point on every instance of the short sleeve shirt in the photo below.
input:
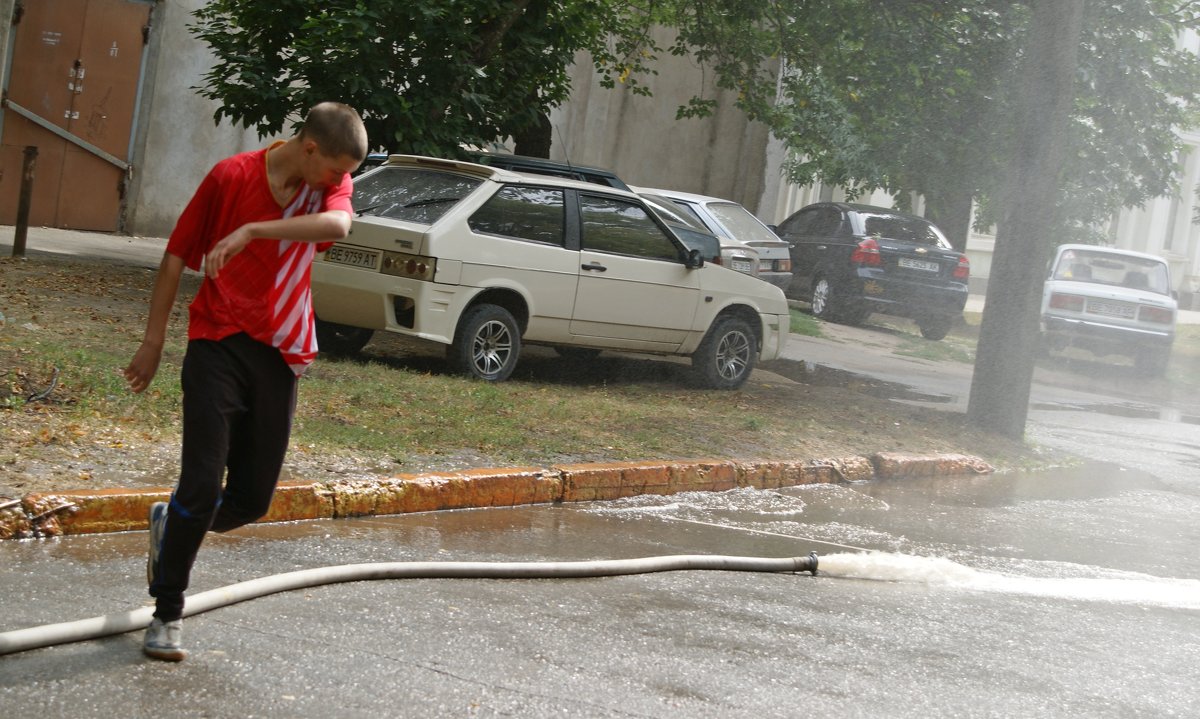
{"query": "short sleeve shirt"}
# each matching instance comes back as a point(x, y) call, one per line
point(263, 290)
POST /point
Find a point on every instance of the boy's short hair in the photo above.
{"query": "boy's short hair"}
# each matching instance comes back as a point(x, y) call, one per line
point(337, 129)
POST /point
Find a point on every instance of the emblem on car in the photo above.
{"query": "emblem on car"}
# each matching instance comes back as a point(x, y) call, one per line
point(922, 251)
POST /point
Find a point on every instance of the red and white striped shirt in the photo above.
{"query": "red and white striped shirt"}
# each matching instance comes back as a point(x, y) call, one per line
point(264, 289)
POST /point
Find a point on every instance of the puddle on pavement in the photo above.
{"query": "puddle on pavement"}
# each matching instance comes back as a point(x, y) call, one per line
point(821, 376)
point(1165, 414)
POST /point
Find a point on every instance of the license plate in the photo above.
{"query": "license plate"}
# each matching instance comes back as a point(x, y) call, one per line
point(923, 265)
point(366, 259)
point(742, 265)
point(1111, 309)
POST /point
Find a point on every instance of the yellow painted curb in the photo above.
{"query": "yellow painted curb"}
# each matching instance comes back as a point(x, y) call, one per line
point(116, 510)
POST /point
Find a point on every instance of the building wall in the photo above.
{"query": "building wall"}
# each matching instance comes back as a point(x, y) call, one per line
point(178, 140)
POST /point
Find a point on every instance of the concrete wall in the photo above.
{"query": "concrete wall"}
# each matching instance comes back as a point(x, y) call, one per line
point(639, 138)
point(177, 140)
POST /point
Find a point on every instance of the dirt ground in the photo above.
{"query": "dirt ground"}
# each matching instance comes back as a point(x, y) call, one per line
point(52, 442)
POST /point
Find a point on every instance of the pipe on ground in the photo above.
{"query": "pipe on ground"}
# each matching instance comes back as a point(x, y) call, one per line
point(51, 634)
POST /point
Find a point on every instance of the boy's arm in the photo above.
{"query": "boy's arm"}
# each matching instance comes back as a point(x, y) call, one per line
point(144, 366)
point(327, 226)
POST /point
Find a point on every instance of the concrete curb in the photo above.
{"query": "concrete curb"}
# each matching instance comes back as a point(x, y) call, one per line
point(119, 510)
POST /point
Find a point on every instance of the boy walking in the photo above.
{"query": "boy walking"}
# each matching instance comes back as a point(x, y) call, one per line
point(255, 223)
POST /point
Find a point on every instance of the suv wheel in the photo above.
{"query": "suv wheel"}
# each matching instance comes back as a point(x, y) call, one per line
point(935, 328)
point(486, 344)
point(727, 355)
point(336, 339)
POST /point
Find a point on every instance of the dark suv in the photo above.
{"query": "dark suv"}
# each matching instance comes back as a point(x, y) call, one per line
point(852, 260)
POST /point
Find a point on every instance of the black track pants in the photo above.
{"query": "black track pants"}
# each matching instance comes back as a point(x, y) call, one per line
point(239, 397)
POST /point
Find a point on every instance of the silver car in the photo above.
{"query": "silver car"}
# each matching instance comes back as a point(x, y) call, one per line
point(733, 254)
point(728, 219)
point(1110, 301)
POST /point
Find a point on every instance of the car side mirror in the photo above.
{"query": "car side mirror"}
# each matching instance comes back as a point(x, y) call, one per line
point(695, 259)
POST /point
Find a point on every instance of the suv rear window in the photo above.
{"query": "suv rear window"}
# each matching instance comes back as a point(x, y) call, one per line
point(415, 195)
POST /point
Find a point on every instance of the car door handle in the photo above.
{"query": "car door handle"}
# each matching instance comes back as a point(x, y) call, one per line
point(596, 266)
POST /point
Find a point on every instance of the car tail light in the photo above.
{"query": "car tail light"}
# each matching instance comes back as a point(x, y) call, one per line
point(1161, 315)
point(963, 270)
point(867, 253)
point(402, 264)
point(783, 265)
point(1071, 303)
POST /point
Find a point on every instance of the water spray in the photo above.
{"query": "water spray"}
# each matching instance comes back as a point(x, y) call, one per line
point(51, 634)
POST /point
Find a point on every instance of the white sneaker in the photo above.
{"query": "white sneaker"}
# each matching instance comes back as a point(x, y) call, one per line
point(164, 640)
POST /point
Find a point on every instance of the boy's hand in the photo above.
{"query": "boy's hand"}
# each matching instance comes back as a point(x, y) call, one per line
point(224, 250)
point(143, 367)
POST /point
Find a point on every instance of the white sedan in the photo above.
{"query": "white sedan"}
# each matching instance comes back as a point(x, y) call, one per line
point(1110, 301)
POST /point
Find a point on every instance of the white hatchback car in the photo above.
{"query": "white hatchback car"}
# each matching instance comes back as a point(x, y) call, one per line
point(727, 219)
point(482, 260)
point(1110, 301)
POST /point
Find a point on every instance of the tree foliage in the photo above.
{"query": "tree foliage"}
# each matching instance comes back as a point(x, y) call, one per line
point(916, 96)
point(427, 75)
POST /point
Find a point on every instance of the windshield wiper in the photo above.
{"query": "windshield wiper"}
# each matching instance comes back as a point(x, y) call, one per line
point(430, 201)
point(368, 208)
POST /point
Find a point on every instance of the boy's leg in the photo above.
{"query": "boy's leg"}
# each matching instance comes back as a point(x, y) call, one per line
point(260, 439)
point(213, 398)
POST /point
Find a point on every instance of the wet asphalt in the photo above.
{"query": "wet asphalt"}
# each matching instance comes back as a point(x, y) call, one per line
point(1061, 593)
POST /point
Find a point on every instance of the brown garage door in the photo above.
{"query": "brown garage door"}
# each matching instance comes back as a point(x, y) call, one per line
point(72, 93)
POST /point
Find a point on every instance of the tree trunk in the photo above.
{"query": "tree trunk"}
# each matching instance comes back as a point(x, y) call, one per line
point(534, 140)
point(950, 210)
point(1008, 336)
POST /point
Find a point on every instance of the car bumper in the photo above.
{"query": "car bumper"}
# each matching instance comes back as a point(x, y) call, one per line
point(775, 333)
point(779, 279)
point(1104, 337)
point(385, 302)
point(906, 298)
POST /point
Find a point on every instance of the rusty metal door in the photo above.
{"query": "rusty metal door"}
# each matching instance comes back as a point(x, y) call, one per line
point(72, 92)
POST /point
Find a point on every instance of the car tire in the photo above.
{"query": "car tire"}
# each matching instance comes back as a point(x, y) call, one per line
point(935, 328)
point(486, 344)
point(829, 304)
point(577, 353)
point(341, 340)
point(726, 357)
point(1152, 362)
point(821, 299)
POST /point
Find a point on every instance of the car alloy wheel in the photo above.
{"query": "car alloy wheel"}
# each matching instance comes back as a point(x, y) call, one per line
point(727, 355)
point(821, 296)
point(487, 343)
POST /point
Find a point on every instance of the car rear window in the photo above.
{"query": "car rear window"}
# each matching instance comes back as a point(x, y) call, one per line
point(1109, 268)
point(412, 194)
point(904, 229)
point(740, 223)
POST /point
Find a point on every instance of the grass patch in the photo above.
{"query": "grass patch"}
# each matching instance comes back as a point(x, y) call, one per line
point(805, 324)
